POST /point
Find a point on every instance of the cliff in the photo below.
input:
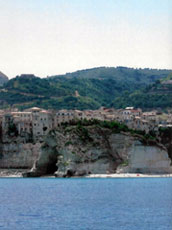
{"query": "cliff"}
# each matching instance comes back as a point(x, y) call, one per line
point(81, 150)
point(87, 148)
point(18, 152)
point(148, 159)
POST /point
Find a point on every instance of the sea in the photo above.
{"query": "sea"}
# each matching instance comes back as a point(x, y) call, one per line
point(86, 203)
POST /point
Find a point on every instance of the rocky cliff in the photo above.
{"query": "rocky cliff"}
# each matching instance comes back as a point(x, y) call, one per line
point(81, 150)
point(18, 152)
point(148, 159)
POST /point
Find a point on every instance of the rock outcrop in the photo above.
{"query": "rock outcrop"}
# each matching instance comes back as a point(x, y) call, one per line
point(77, 151)
point(47, 160)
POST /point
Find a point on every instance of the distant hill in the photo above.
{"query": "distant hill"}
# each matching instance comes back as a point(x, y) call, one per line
point(145, 76)
point(3, 78)
point(104, 86)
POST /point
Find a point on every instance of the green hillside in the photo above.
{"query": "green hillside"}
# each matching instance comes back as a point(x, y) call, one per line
point(156, 95)
point(141, 76)
point(117, 87)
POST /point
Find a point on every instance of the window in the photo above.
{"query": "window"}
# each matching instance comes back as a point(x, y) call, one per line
point(44, 129)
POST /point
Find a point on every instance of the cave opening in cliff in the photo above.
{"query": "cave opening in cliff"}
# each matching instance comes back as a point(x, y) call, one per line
point(52, 167)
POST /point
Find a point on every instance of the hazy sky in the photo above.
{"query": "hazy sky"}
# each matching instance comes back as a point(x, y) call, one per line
point(48, 37)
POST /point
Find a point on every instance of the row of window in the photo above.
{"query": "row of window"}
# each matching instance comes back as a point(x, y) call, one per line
point(64, 114)
point(41, 119)
point(25, 115)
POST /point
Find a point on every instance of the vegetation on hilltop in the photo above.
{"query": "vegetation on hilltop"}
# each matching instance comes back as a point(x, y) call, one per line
point(145, 76)
point(80, 127)
point(111, 87)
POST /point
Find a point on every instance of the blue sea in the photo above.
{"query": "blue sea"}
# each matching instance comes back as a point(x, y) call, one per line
point(86, 204)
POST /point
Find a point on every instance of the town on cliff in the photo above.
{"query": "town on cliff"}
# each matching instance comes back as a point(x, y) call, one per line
point(77, 143)
point(40, 121)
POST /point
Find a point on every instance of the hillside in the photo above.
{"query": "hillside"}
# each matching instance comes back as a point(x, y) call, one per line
point(156, 95)
point(142, 76)
point(118, 87)
point(3, 78)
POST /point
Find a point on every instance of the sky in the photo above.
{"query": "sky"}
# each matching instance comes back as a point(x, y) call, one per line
point(50, 37)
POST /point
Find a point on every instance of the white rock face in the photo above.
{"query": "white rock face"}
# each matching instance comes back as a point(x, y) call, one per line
point(102, 155)
point(148, 159)
point(19, 155)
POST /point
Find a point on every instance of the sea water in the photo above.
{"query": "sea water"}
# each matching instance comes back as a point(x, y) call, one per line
point(88, 204)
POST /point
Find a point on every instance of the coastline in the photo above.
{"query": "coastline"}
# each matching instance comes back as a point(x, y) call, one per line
point(17, 173)
point(12, 173)
point(127, 175)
